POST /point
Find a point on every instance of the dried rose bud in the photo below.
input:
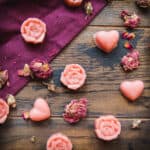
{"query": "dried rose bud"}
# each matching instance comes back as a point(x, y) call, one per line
point(11, 101)
point(33, 139)
point(3, 78)
point(130, 61)
point(26, 115)
point(25, 72)
point(128, 45)
point(75, 110)
point(130, 20)
point(128, 36)
point(136, 123)
point(88, 8)
point(143, 3)
point(40, 68)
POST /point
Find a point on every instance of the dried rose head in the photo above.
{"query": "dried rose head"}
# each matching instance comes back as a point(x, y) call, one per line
point(130, 20)
point(40, 68)
point(143, 3)
point(3, 78)
point(75, 110)
point(130, 61)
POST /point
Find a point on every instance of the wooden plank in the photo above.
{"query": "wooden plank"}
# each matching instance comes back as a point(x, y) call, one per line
point(16, 134)
point(110, 16)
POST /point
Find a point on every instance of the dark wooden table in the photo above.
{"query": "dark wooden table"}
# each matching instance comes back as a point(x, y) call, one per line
point(104, 76)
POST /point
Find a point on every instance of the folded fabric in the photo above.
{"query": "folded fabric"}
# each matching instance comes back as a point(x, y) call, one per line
point(63, 24)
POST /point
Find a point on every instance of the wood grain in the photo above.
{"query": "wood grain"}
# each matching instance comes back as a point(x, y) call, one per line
point(104, 76)
point(82, 135)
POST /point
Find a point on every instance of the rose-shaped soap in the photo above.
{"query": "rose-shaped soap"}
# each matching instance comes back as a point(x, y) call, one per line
point(4, 111)
point(107, 127)
point(73, 3)
point(73, 76)
point(59, 141)
point(106, 40)
point(33, 30)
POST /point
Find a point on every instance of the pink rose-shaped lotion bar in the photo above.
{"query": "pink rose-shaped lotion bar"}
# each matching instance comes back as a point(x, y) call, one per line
point(58, 141)
point(4, 111)
point(107, 127)
point(33, 30)
point(73, 76)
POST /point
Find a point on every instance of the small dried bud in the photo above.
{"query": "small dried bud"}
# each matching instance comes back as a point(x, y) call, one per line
point(130, 61)
point(26, 115)
point(75, 110)
point(136, 123)
point(40, 68)
point(33, 139)
point(50, 86)
point(143, 3)
point(11, 101)
point(128, 36)
point(25, 72)
point(3, 78)
point(88, 8)
point(128, 45)
point(130, 20)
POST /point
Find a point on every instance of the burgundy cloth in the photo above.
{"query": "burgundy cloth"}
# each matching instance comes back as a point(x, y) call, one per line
point(63, 24)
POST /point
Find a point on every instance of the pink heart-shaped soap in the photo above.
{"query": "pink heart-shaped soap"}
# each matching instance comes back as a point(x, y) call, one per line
point(132, 89)
point(40, 110)
point(106, 40)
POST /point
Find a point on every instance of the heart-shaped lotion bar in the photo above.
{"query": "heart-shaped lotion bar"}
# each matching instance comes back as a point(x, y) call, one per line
point(132, 89)
point(40, 110)
point(106, 40)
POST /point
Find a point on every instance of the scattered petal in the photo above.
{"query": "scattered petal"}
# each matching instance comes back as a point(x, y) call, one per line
point(50, 86)
point(26, 115)
point(11, 101)
point(128, 36)
point(3, 78)
point(25, 72)
point(88, 8)
point(128, 45)
point(136, 123)
point(33, 139)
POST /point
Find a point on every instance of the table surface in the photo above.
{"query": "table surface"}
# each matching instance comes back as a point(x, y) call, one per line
point(104, 76)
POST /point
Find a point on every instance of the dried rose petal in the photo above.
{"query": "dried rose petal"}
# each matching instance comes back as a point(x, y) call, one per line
point(128, 36)
point(136, 123)
point(26, 115)
point(143, 3)
point(33, 139)
point(88, 8)
point(3, 78)
point(130, 20)
point(25, 72)
point(130, 61)
point(11, 100)
point(75, 110)
point(40, 68)
point(128, 45)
